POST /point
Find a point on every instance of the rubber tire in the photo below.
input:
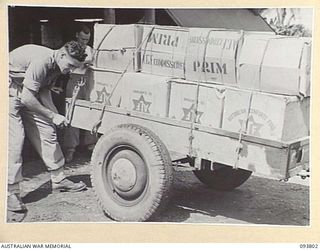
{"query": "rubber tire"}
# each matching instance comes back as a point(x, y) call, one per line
point(159, 172)
point(224, 178)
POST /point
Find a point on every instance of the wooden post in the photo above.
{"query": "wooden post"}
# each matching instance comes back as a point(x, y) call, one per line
point(109, 16)
point(150, 16)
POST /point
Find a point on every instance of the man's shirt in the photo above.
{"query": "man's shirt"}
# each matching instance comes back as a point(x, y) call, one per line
point(33, 67)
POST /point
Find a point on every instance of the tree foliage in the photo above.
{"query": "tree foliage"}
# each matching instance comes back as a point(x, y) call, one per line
point(291, 30)
point(284, 21)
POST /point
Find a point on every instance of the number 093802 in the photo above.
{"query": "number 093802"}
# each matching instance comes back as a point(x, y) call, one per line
point(309, 246)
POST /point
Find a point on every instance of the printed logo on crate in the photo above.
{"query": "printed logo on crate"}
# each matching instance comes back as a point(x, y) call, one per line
point(161, 62)
point(163, 39)
point(274, 117)
point(104, 83)
point(183, 98)
point(141, 104)
point(224, 43)
point(187, 114)
point(102, 96)
point(164, 52)
point(210, 67)
point(145, 93)
point(213, 66)
point(257, 121)
point(211, 55)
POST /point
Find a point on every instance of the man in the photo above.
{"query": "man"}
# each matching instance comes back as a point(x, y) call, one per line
point(72, 136)
point(33, 70)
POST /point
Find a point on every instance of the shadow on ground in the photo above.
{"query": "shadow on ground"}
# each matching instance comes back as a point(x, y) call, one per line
point(46, 189)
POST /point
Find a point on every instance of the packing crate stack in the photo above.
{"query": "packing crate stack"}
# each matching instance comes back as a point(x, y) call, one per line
point(248, 82)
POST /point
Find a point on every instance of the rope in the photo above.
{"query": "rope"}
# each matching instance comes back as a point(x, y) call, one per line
point(244, 127)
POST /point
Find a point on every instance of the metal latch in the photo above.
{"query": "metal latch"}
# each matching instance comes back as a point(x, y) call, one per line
point(72, 104)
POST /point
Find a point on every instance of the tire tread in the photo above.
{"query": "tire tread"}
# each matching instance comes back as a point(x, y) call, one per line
point(165, 171)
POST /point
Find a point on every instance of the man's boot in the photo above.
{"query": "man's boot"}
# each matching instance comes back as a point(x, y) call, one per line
point(15, 203)
point(69, 155)
point(68, 186)
point(16, 209)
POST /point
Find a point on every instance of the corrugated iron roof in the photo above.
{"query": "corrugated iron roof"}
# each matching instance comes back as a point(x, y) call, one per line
point(219, 18)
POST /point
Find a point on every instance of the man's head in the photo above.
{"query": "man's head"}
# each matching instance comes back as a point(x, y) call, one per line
point(71, 56)
point(83, 34)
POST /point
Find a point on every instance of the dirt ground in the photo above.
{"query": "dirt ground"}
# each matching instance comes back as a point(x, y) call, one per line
point(258, 201)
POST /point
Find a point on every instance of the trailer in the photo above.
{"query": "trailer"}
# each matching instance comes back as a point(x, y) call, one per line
point(151, 123)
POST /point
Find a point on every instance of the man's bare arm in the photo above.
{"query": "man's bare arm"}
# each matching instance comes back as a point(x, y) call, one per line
point(46, 100)
point(28, 99)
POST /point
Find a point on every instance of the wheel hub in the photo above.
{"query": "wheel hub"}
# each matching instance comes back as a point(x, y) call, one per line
point(124, 175)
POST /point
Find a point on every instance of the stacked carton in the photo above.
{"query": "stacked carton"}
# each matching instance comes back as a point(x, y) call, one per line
point(262, 115)
point(274, 117)
point(231, 80)
point(104, 84)
point(114, 47)
point(208, 100)
point(144, 93)
point(163, 52)
point(211, 55)
point(246, 60)
point(277, 64)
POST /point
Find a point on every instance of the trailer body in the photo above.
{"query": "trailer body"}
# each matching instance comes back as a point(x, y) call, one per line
point(164, 98)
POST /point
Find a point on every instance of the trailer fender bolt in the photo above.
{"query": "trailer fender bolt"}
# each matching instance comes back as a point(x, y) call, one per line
point(284, 180)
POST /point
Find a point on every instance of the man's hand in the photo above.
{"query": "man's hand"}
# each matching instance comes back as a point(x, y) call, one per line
point(59, 120)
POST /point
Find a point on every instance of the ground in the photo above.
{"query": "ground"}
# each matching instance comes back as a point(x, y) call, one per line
point(257, 201)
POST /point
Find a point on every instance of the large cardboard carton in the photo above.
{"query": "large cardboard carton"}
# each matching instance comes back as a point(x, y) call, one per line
point(183, 100)
point(275, 64)
point(104, 83)
point(196, 66)
point(251, 53)
point(164, 51)
point(305, 80)
point(145, 93)
point(115, 46)
point(211, 55)
point(274, 117)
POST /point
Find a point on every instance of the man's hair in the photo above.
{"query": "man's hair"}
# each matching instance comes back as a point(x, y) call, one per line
point(84, 28)
point(76, 50)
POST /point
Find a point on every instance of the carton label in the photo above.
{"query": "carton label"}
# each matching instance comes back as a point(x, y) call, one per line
point(254, 126)
point(102, 96)
point(224, 43)
point(160, 62)
point(141, 105)
point(210, 67)
point(101, 92)
point(163, 39)
point(187, 114)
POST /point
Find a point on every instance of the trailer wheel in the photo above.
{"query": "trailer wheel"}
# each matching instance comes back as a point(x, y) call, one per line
point(223, 177)
point(132, 173)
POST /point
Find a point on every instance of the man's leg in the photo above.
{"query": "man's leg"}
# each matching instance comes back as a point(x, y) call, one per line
point(70, 142)
point(16, 208)
point(42, 134)
point(16, 139)
point(88, 140)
